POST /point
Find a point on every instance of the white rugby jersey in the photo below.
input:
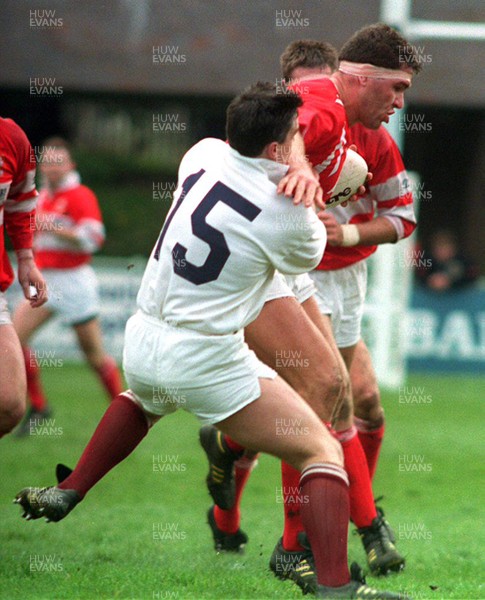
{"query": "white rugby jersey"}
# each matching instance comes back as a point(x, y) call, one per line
point(225, 234)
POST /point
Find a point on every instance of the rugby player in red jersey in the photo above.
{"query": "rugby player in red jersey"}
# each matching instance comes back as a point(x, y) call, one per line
point(18, 198)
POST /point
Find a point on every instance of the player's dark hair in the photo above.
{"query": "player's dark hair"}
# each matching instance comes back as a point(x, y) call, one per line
point(307, 53)
point(262, 114)
point(381, 46)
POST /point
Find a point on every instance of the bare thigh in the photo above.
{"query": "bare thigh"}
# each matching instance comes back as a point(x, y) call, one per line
point(285, 338)
point(281, 423)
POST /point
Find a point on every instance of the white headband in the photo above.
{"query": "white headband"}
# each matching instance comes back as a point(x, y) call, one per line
point(368, 70)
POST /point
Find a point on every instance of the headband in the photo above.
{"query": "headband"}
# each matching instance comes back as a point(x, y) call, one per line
point(368, 70)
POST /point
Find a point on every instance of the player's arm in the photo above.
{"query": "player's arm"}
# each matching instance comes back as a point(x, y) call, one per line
point(302, 246)
point(30, 277)
point(301, 182)
point(19, 219)
point(378, 231)
point(88, 236)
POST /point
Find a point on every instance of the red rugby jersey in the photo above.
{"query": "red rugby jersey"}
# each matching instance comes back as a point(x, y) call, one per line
point(18, 195)
point(324, 127)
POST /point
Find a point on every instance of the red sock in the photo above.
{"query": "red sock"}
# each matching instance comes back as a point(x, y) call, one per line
point(230, 520)
point(290, 479)
point(233, 445)
point(110, 377)
point(371, 440)
point(293, 525)
point(119, 432)
point(362, 507)
point(38, 401)
point(325, 516)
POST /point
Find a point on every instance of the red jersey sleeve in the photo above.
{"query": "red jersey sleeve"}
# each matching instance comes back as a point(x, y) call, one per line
point(323, 125)
point(83, 208)
point(17, 180)
point(17, 194)
point(390, 186)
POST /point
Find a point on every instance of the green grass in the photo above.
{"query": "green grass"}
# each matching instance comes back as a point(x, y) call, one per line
point(106, 548)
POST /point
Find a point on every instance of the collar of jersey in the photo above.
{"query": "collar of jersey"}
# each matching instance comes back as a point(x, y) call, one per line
point(275, 171)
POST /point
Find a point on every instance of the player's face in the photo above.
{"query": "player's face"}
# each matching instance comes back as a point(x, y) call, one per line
point(380, 99)
point(55, 165)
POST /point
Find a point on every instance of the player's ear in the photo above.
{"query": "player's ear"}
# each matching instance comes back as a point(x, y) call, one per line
point(271, 151)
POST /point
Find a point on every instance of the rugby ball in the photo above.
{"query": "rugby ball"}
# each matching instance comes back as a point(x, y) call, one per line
point(352, 176)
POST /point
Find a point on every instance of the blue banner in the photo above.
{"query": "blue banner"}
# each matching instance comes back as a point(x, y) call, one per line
point(446, 331)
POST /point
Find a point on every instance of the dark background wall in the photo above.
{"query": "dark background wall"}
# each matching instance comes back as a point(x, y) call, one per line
point(102, 73)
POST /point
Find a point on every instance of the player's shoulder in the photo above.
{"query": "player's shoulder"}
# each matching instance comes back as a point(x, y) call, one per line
point(13, 138)
point(206, 150)
point(322, 112)
point(81, 195)
point(205, 154)
point(85, 191)
point(322, 94)
point(9, 126)
point(376, 139)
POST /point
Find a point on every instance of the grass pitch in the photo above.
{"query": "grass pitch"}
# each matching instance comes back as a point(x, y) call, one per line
point(142, 533)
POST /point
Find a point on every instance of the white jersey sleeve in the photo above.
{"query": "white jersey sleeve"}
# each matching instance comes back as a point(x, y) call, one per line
point(305, 238)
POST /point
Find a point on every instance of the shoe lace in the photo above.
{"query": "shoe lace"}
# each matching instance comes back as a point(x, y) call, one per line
point(380, 513)
point(377, 532)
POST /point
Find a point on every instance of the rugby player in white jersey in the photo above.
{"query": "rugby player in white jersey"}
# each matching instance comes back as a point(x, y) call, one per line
point(206, 279)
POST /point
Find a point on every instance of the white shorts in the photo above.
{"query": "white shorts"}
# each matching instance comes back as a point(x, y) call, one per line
point(167, 368)
point(73, 293)
point(4, 312)
point(300, 287)
point(341, 294)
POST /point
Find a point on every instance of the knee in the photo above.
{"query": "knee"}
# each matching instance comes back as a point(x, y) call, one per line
point(367, 405)
point(322, 388)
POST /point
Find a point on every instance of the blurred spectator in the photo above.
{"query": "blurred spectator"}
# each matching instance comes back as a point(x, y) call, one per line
point(445, 267)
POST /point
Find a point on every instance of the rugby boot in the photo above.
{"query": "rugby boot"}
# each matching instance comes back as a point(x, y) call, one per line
point(357, 588)
point(49, 502)
point(297, 565)
point(382, 556)
point(220, 480)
